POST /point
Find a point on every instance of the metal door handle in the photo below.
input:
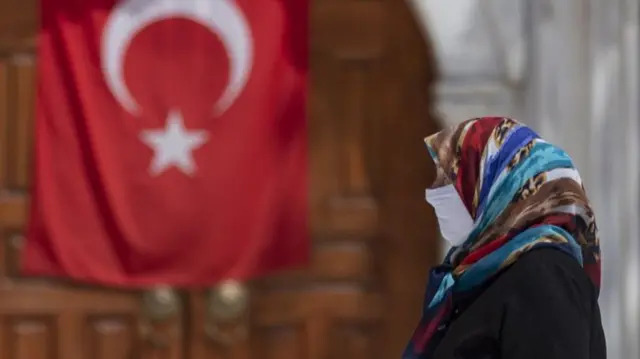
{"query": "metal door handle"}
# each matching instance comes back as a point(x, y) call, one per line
point(227, 304)
point(158, 305)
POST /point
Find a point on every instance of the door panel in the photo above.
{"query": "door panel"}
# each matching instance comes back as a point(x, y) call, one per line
point(38, 322)
point(373, 236)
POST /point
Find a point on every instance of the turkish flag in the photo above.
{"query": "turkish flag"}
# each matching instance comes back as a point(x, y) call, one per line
point(170, 141)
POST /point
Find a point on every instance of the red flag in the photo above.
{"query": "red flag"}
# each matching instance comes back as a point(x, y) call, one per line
point(170, 141)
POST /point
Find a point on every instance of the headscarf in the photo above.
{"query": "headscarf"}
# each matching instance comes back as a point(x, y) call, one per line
point(522, 193)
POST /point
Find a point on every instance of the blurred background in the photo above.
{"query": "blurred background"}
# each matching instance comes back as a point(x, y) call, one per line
point(384, 74)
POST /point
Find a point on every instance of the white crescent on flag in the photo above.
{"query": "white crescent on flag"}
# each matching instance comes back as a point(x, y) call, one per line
point(221, 17)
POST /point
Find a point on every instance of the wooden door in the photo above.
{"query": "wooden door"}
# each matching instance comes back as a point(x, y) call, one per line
point(373, 235)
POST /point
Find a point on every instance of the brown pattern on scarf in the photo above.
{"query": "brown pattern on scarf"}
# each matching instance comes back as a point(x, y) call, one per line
point(500, 132)
point(532, 185)
point(513, 256)
point(542, 201)
point(522, 153)
point(444, 143)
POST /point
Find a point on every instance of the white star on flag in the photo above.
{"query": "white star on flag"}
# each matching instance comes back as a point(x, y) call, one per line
point(173, 146)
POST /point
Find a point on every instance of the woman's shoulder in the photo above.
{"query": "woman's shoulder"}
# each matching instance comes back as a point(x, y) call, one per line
point(548, 264)
point(534, 279)
point(548, 274)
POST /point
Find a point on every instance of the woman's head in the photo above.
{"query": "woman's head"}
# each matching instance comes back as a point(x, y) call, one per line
point(497, 178)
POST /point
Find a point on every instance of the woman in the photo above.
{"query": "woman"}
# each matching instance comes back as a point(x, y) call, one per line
point(523, 276)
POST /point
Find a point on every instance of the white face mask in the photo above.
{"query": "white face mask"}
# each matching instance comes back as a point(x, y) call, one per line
point(453, 218)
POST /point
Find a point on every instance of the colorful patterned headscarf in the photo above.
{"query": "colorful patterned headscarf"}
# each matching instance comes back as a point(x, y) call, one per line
point(522, 193)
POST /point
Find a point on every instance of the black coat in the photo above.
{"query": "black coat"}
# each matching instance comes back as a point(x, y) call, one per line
point(542, 307)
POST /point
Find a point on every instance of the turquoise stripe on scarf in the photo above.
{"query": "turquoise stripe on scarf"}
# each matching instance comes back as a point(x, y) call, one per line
point(489, 265)
point(495, 165)
point(543, 157)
